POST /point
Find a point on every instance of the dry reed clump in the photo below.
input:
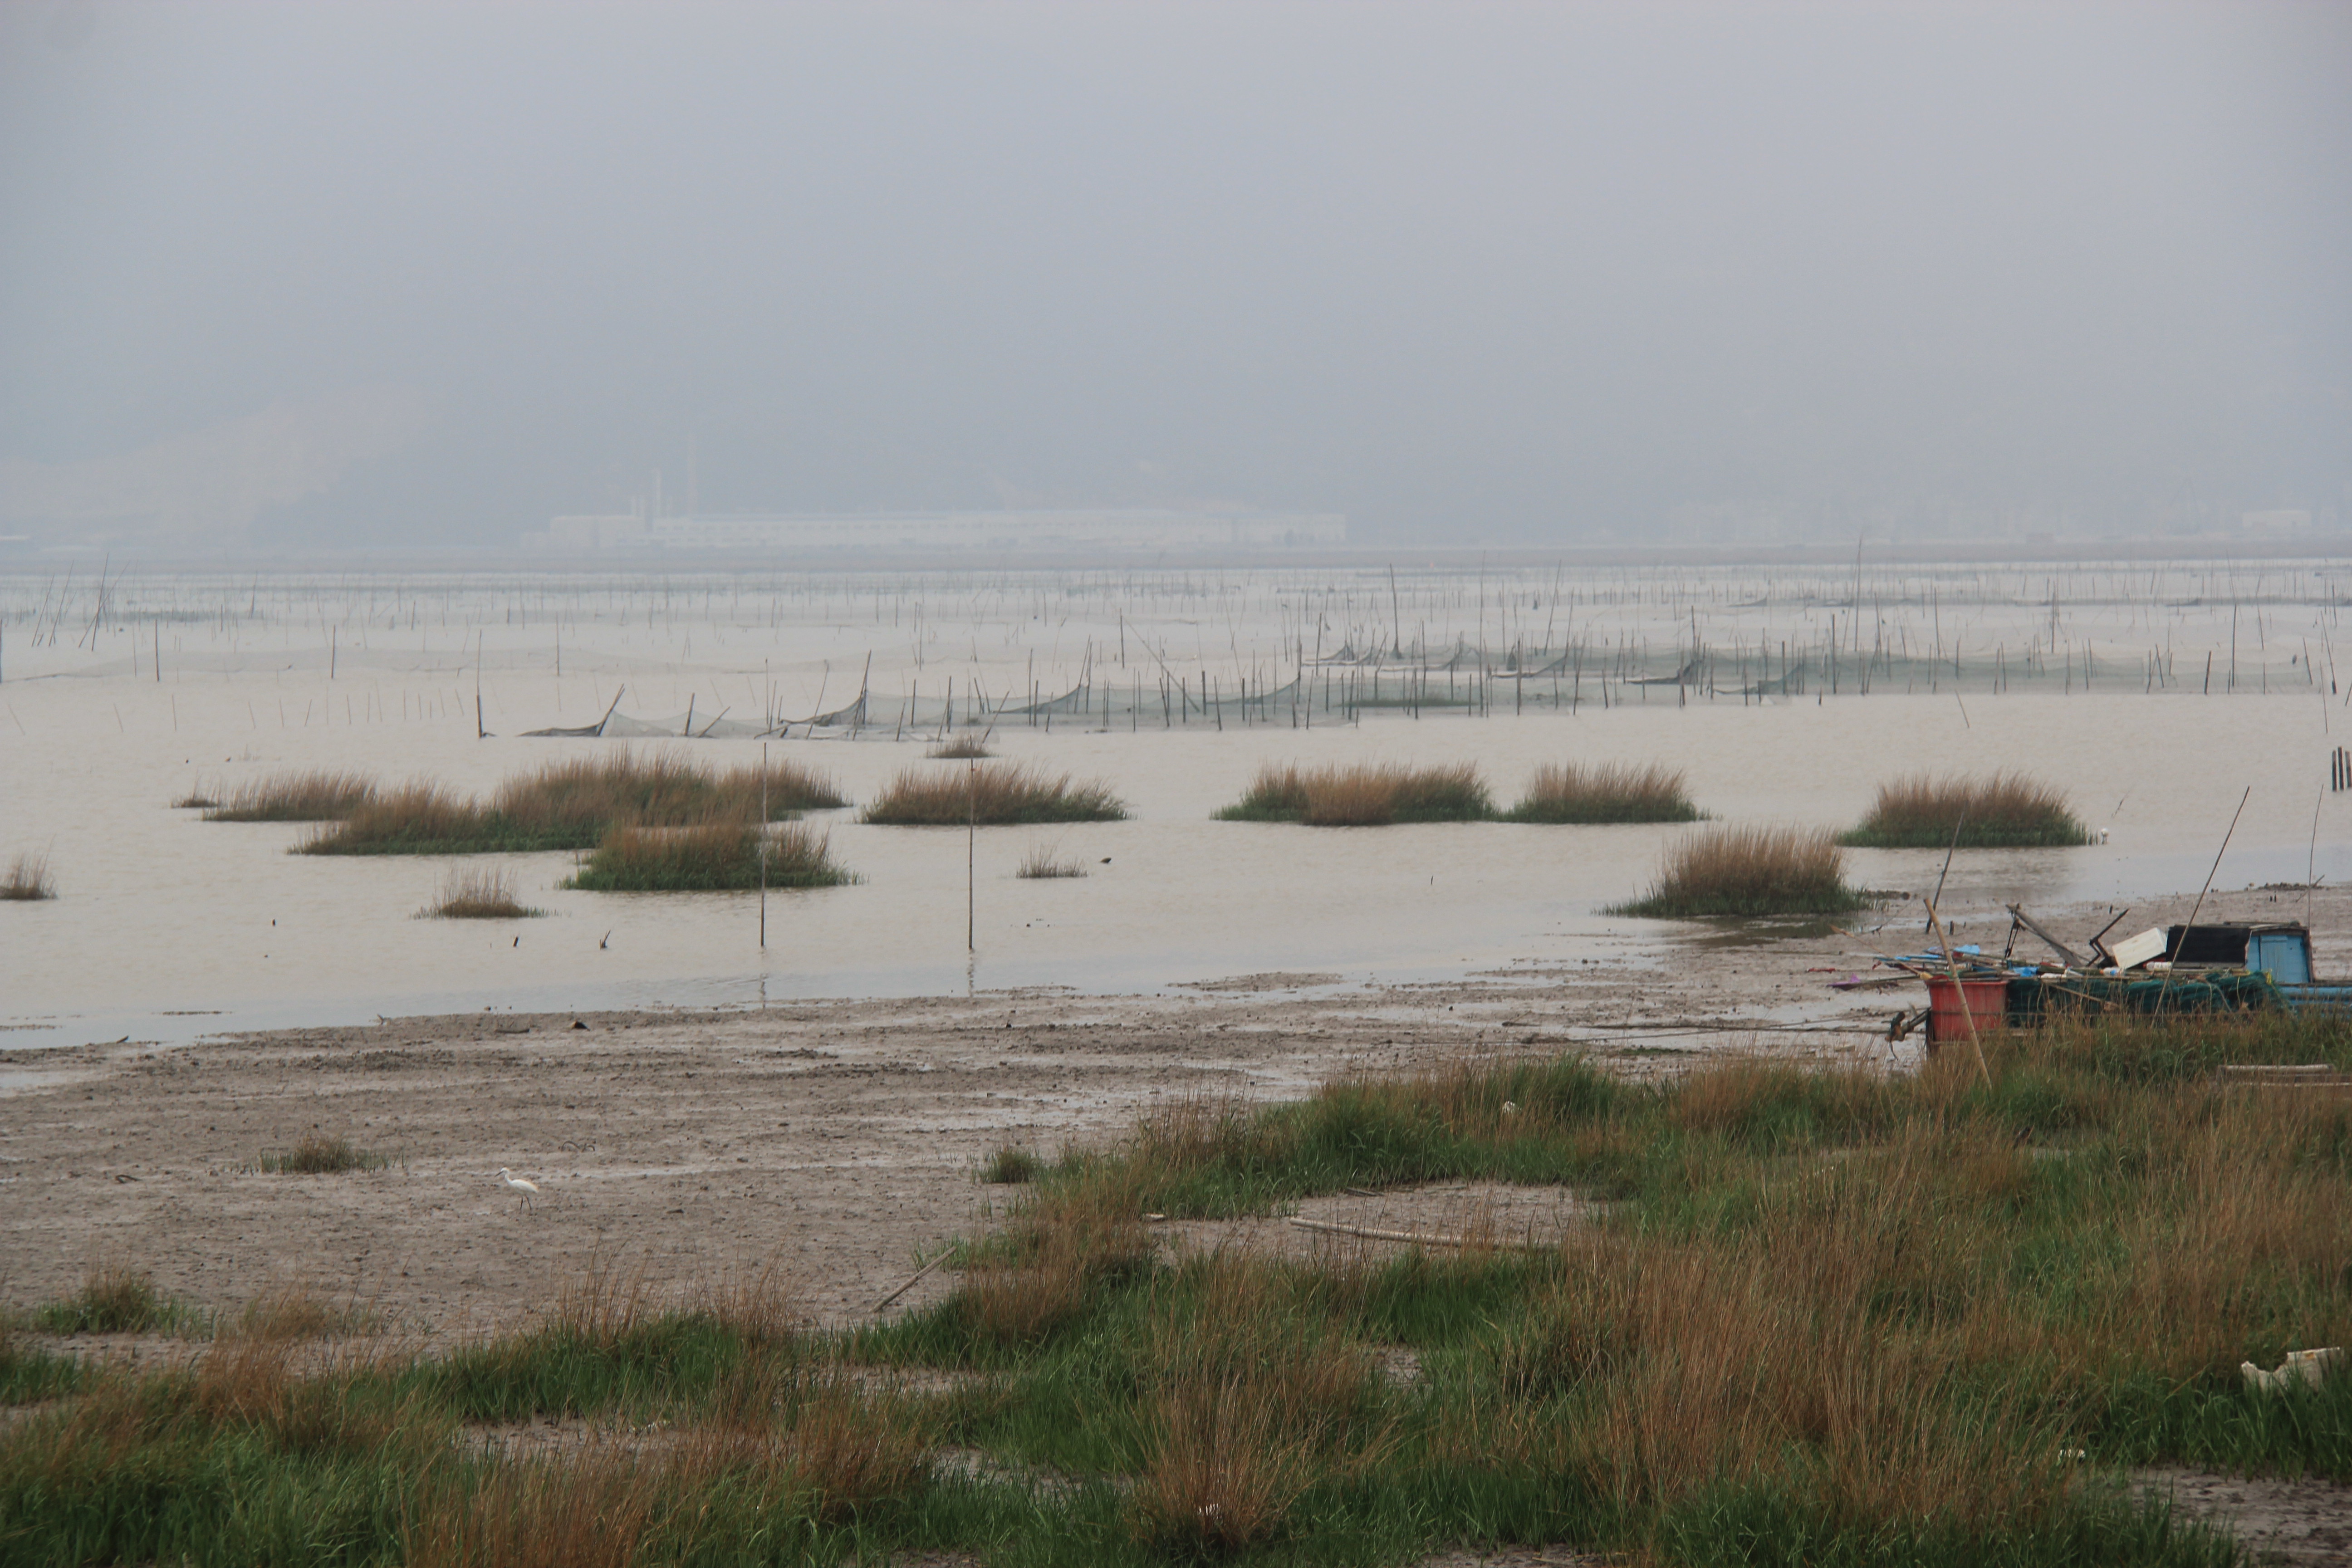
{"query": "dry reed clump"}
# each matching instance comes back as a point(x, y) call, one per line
point(1748, 871)
point(1363, 794)
point(290, 1312)
point(308, 794)
point(1606, 792)
point(587, 795)
point(476, 896)
point(2006, 810)
point(573, 804)
point(1248, 1401)
point(418, 817)
point(604, 1303)
point(994, 793)
point(710, 856)
point(1044, 862)
point(1062, 1245)
point(28, 879)
point(756, 1305)
point(961, 748)
point(592, 1510)
point(832, 1445)
point(319, 1154)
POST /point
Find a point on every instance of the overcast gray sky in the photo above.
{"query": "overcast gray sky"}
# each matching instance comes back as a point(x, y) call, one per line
point(351, 274)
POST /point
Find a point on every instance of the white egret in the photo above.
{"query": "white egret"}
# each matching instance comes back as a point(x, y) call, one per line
point(524, 1187)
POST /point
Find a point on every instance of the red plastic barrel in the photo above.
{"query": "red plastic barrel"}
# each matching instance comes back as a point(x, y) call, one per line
point(1950, 1004)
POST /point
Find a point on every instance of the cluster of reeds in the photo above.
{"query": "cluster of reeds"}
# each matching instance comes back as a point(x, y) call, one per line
point(572, 804)
point(1010, 1166)
point(319, 1154)
point(1363, 794)
point(992, 795)
point(28, 878)
point(477, 895)
point(298, 795)
point(2003, 810)
point(1047, 861)
point(1606, 792)
point(961, 748)
point(724, 856)
point(1749, 872)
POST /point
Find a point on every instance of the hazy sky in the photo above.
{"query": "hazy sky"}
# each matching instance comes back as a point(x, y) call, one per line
point(357, 273)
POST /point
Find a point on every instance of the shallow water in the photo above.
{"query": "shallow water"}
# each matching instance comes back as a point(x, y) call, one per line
point(167, 927)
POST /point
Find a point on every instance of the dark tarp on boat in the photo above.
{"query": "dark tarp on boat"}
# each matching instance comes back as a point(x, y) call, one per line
point(2031, 1000)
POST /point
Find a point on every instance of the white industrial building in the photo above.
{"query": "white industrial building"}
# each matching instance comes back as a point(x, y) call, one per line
point(1115, 529)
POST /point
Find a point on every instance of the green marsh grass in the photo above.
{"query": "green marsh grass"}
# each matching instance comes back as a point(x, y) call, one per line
point(28, 879)
point(1828, 1315)
point(1606, 792)
point(1363, 794)
point(1749, 872)
point(710, 856)
point(2003, 810)
point(991, 793)
point(571, 803)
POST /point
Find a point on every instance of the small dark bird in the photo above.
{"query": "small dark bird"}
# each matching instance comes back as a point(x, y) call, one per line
point(1106, 859)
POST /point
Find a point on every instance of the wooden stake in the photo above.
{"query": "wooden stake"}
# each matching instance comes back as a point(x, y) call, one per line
point(1967, 1013)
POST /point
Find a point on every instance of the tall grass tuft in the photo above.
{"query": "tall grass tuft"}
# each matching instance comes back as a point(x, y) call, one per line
point(319, 1154)
point(996, 794)
point(2004, 810)
point(113, 1299)
point(476, 896)
point(572, 804)
point(28, 879)
point(1363, 794)
point(961, 748)
point(1047, 861)
point(1748, 871)
point(590, 1511)
point(1248, 1401)
point(1606, 792)
point(307, 794)
point(1011, 1165)
point(1064, 1245)
point(709, 857)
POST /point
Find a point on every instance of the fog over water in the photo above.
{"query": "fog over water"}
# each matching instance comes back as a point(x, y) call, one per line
point(420, 275)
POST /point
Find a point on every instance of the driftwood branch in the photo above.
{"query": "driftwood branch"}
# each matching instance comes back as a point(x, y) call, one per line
point(910, 1284)
point(1416, 1237)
